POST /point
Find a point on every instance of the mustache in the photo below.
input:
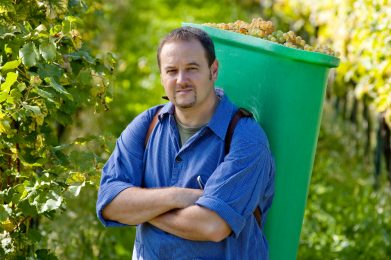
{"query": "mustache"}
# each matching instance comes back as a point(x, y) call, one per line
point(184, 87)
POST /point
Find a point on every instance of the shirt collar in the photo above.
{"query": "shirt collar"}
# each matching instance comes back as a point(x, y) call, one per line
point(220, 119)
point(167, 108)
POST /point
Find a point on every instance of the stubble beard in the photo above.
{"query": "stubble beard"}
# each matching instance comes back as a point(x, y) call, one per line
point(191, 104)
point(185, 105)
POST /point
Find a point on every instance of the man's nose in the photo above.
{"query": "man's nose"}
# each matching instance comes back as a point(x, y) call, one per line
point(181, 77)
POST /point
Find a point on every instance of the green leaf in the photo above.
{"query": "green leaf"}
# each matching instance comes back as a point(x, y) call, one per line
point(45, 254)
point(6, 7)
point(48, 202)
point(46, 95)
point(10, 65)
point(3, 213)
point(76, 177)
point(58, 88)
point(27, 208)
point(85, 139)
point(82, 55)
point(3, 96)
point(85, 76)
point(21, 86)
point(15, 93)
point(28, 54)
point(9, 81)
point(75, 189)
point(35, 236)
point(35, 109)
point(56, 8)
point(50, 71)
point(66, 26)
point(73, 19)
point(7, 50)
point(48, 50)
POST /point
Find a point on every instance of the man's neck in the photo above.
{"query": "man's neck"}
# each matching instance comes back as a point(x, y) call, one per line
point(197, 116)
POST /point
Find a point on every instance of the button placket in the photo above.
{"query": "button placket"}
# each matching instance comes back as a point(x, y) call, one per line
point(176, 169)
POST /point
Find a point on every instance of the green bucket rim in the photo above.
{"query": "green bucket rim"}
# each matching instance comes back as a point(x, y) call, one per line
point(252, 42)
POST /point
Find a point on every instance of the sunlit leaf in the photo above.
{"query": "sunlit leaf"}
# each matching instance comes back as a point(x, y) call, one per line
point(9, 81)
point(76, 177)
point(3, 96)
point(54, 8)
point(47, 202)
point(6, 7)
point(75, 189)
point(10, 65)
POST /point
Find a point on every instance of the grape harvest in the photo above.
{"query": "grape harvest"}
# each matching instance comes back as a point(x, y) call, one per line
point(265, 30)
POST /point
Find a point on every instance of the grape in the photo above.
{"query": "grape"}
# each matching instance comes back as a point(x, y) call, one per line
point(265, 30)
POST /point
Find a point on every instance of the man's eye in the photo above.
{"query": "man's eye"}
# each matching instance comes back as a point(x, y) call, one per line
point(170, 71)
point(193, 68)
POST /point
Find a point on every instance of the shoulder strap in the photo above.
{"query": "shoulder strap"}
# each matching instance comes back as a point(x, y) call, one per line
point(241, 112)
point(151, 127)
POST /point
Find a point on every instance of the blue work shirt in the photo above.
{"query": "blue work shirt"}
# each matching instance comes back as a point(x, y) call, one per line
point(235, 184)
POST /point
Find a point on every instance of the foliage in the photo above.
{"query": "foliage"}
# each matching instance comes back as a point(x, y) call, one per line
point(359, 30)
point(344, 218)
point(85, 237)
point(51, 81)
point(48, 74)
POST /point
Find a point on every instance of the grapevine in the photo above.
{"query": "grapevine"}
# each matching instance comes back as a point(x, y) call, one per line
point(265, 30)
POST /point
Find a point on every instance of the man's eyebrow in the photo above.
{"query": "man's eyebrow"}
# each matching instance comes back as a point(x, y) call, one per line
point(169, 67)
point(193, 64)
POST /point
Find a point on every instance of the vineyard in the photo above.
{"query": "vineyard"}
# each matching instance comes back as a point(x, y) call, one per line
point(74, 73)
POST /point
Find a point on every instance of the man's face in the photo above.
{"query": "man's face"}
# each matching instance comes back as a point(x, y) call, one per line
point(185, 74)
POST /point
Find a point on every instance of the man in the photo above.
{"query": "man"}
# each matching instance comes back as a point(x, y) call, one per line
point(188, 198)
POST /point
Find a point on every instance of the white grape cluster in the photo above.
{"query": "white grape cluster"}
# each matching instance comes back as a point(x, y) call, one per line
point(265, 30)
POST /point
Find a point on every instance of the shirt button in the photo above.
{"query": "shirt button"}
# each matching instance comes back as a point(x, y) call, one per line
point(178, 159)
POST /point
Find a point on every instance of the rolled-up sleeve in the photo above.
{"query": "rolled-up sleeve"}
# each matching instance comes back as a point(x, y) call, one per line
point(124, 168)
point(242, 180)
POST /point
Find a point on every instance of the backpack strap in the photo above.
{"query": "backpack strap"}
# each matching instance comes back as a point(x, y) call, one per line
point(241, 112)
point(151, 127)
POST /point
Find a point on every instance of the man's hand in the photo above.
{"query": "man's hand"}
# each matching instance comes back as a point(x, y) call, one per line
point(136, 205)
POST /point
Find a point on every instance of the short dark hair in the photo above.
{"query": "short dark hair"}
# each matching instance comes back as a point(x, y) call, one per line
point(187, 33)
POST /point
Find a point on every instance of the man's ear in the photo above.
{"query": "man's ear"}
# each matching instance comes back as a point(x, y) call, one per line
point(214, 69)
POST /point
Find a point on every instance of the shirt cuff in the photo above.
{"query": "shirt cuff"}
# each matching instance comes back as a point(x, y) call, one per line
point(106, 194)
point(226, 212)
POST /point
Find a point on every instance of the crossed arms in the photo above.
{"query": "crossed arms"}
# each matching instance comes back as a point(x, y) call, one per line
point(169, 209)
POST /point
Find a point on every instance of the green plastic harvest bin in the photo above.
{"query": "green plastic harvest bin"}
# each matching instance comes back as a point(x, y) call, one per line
point(284, 88)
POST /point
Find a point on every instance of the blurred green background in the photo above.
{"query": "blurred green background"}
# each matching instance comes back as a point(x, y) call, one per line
point(348, 213)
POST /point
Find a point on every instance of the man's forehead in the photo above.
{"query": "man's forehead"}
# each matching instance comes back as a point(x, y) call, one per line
point(173, 44)
point(172, 64)
point(188, 51)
